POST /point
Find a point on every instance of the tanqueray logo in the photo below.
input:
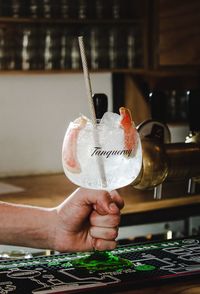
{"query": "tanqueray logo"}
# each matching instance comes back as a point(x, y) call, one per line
point(97, 151)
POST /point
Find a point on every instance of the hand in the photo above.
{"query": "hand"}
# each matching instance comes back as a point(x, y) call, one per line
point(87, 220)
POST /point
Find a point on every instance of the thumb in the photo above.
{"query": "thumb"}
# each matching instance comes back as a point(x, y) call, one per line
point(105, 205)
point(100, 200)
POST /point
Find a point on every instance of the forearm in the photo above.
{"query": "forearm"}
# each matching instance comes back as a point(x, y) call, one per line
point(26, 226)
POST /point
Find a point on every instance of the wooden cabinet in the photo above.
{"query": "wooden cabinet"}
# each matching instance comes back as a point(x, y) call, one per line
point(178, 33)
point(174, 60)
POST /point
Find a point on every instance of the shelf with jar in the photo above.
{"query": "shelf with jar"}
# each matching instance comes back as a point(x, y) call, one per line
point(32, 39)
point(72, 9)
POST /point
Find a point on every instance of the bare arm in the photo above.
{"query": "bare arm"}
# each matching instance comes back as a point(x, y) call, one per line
point(87, 219)
point(25, 225)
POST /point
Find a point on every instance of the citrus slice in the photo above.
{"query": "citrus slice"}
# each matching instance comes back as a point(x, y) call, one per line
point(69, 152)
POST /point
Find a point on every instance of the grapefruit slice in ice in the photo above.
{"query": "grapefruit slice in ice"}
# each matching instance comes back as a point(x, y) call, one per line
point(69, 152)
point(130, 133)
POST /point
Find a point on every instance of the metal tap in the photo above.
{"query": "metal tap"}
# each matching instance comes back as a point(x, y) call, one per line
point(165, 161)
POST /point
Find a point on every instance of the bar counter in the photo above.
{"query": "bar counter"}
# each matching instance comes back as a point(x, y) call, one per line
point(181, 287)
point(50, 190)
point(140, 207)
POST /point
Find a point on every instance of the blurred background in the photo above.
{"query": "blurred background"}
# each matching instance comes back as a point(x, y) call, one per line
point(143, 54)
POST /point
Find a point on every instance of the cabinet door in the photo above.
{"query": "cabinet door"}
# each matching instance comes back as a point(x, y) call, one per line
point(178, 33)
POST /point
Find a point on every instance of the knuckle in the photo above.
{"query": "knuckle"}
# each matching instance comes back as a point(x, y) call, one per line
point(114, 220)
point(115, 233)
point(112, 234)
point(117, 220)
point(91, 231)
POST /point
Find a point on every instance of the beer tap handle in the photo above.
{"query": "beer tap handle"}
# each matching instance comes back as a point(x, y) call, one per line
point(100, 104)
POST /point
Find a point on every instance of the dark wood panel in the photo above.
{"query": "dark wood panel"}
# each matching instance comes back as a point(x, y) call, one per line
point(179, 32)
point(183, 286)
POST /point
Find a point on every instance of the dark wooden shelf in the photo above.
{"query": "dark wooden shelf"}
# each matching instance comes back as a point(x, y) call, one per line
point(70, 71)
point(54, 21)
point(135, 71)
